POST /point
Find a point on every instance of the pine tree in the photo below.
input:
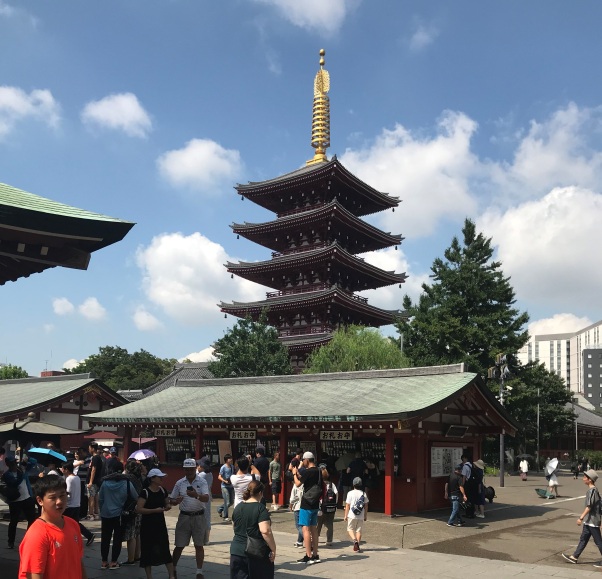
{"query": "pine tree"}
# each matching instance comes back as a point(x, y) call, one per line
point(467, 314)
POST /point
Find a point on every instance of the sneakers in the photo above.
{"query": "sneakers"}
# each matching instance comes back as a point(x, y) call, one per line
point(598, 565)
point(304, 559)
point(226, 520)
point(114, 565)
point(297, 544)
point(11, 545)
point(451, 524)
point(459, 524)
point(90, 540)
point(356, 547)
point(569, 558)
point(480, 516)
point(314, 559)
point(127, 563)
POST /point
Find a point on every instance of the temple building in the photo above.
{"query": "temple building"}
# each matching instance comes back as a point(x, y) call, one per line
point(316, 239)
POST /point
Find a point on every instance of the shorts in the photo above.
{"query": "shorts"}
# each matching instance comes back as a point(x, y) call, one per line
point(189, 527)
point(308, 517)
point(355, 525)
point(91, 491)
point(276, 487)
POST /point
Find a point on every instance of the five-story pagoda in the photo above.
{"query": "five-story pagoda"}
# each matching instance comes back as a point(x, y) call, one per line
point(315, 241)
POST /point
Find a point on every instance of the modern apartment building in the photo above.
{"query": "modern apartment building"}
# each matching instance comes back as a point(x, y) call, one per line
point(575, 356)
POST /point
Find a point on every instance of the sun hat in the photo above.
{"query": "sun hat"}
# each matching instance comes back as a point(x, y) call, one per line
point(189, 462)
point(479, 464)
point(204, 462)
point(591, 474)
point(155, 472)
point(308, 456)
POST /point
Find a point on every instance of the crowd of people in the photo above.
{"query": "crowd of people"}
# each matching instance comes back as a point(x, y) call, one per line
point(130, 501)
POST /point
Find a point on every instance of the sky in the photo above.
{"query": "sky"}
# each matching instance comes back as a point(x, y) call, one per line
point(152, 111)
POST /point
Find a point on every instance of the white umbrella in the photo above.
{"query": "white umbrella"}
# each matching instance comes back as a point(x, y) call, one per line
point(142, 454)
point(551, 466)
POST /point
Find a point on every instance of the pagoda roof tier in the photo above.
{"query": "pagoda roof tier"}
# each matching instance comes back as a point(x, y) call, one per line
point(38, 233)
point(349, 308)
point(342, 264)
point(283, 193)
point(335, 223)
point(304, 344)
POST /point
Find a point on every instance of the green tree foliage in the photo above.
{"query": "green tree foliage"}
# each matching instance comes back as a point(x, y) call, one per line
point(356, 348)
point(250, 349)
point(467, 314)
point(9, 372)
point(556, 417)
point(120, 370)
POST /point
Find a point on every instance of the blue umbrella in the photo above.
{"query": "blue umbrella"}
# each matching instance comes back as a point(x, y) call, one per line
point(48, 453)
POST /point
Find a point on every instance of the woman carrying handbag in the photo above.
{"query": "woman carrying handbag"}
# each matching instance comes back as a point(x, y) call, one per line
point(253, 549)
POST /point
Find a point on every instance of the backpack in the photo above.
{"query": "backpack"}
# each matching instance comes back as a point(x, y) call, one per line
point(471, 481)
point(358, 507)
point(329, 500)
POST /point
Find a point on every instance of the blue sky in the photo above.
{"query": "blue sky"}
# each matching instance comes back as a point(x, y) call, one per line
point(152, 111)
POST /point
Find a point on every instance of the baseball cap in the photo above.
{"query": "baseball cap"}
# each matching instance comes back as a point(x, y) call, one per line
point(155, 472)
point(189, 462)
point(308, 456)
point(113, 450)
point(204, 462)
point(357, 481)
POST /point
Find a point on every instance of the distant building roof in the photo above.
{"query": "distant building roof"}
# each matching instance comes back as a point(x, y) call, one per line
point(184, 371)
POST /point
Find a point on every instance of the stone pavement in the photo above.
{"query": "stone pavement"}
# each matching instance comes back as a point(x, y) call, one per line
point(379, 559)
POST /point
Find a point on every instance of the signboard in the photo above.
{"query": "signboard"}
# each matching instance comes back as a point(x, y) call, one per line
point(166, 432)
point(243, 434)
point(444, 459)
point(336, 434)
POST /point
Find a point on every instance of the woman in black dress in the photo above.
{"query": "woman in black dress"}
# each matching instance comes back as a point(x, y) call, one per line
point(153, 502)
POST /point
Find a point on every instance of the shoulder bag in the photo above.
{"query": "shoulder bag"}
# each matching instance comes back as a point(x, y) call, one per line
point(256, 547)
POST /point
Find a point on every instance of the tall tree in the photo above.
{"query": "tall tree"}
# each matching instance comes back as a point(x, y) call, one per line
point(250, 349)
point(356, 348)
point(467, 314)
point(120, 370)
point(532, 384)
point(8, 372)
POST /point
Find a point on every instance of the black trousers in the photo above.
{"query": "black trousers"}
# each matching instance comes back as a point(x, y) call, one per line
point(586, 533)
point(27, 507)
point(110, 528)
point(73, 513)
point(249, 568)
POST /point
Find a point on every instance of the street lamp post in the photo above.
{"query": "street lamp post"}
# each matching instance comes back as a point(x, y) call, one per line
point(501, 371)
point(537, 448)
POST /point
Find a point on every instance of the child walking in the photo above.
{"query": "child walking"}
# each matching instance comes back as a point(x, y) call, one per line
point(590, 518)
point(356, 511)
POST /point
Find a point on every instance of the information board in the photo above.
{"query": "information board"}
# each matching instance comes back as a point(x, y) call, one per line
point(444, 459)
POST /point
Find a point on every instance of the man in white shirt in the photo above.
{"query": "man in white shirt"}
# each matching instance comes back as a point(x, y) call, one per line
point(192, 494)
point(74, 493)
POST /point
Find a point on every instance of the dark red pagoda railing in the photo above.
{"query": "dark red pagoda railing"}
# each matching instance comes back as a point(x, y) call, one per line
point(325, 329)
point(297, 290)
point(300, 249)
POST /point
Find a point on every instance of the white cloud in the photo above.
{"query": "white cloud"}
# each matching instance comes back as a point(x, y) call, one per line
point(185, 276)
point(391, 297)
point(92, 310)
point(422, 37)
point(430, 175)
point(202, 165)
point(62, 306)
point(323, 17)
point(121, 112)
point(557, 152)
point(71, 363)
point(550, 246)
point(204, 355)
point(6, 10)
point(558, 324)
point(48, 328)
point(16, 105)
point(145, 321)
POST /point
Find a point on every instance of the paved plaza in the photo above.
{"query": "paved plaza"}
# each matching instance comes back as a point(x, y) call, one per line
point(517, 526)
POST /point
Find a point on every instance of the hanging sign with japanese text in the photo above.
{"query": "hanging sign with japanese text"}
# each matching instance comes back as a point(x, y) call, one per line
point(336, 434)
point(243, 434)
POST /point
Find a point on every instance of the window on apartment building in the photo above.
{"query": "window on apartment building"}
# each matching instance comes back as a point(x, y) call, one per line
point(589, 395)
point(589, 365)
point(589, 355)
point(589, 375)
point(589, 385)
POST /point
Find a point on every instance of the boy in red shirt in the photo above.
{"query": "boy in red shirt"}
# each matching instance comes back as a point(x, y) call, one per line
point(52, 547)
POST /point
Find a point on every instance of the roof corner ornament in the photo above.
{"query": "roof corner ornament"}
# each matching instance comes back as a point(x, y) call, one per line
point(320, 126)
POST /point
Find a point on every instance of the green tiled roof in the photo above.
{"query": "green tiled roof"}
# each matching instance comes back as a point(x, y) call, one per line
point(24, 393)
point(17, 198)
point(346, 396)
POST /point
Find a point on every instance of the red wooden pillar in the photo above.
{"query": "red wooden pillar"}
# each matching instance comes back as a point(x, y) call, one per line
point(389, 469)
point(127, 442)
point(283, 460)
point(198, 444)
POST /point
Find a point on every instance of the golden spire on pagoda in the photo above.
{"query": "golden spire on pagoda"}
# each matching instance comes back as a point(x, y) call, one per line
point(320, 126)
